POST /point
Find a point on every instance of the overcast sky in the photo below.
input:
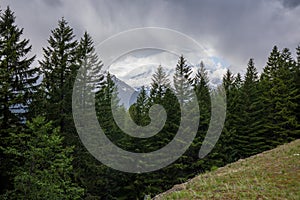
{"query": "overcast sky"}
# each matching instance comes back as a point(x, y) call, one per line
point(232, 30)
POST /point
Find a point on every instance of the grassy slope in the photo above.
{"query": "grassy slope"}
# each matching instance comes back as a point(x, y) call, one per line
point(273, 174)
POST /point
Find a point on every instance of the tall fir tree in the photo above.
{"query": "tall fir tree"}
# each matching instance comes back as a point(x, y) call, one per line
point(88, 171)
point(18, 79)
point(278, 98)
point(297, 82)
point(159, 85)
point(248, 139)
point(59, 67)
point(202, 90)
point(223, 150)
point(140, 109)
point(45, 169)
point(106, 100)
point(89, 76)
point(289, 96)
point(18, 84)
point(182, 80)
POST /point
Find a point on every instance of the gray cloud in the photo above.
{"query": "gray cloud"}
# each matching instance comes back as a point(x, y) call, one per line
point(290, 3)
point(53, 3)
point(232, 30)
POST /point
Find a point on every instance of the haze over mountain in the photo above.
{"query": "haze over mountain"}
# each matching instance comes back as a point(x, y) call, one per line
point(136, 68)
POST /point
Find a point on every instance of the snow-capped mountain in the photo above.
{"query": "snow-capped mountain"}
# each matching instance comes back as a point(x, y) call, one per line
point(130, 82)
point(142, 75)
point(126, 93)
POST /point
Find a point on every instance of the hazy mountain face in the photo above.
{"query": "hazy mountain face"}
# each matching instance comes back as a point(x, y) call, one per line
point(126, 93)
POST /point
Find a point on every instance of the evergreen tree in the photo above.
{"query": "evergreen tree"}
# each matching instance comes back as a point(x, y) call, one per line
point(18, 83)
point(228, 80)
point(59, 68)
point(202, 90)
point(238, 81)
point(45, 169)
point(266, 83)
point(140, 109)
point(223, 150)
point(89, 76)
point(278, 98)
point(159, 85)
point(249, 139)
point(287, 104)
point(201, 87)
point(182, 80)
point(297, 82)
point(88, 171)
point(106, 100)
point(18, 79)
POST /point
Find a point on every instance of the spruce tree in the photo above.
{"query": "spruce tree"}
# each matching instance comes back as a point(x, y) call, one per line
point(140, 109)
point(297, 82)
point(286, 106)
point(159, 85)
point(224, 146)
point(88, 171)
point(202, 90)
point(59, 67)
point(106, 100)
point(45, 169)
point(182, 80)
point(266, 84)
point(18, 83)
point(279, 98)
point(18, 79)
point(238, 81)
point(89, 76)
point(248, 139)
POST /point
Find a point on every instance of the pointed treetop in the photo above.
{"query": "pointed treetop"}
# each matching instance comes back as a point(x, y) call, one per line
point(160, 78)
point(251, 74)
point(238, 80)
point(228, 78)
point(201, 75)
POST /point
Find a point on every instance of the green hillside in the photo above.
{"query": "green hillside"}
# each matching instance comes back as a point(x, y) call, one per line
point(273, 174)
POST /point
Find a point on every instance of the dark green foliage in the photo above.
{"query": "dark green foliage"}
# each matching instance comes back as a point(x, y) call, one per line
point(18, 79)
point(18, 84)
point(297, 83)
point(225, 144)
point(202, 90)
point(139, 110)
point(279, 98)
point(106, 99)
point(88, 171)
point(59, 67)
point(45, 168)
point(182, 80)
point(89, 75)
point(248, 139)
